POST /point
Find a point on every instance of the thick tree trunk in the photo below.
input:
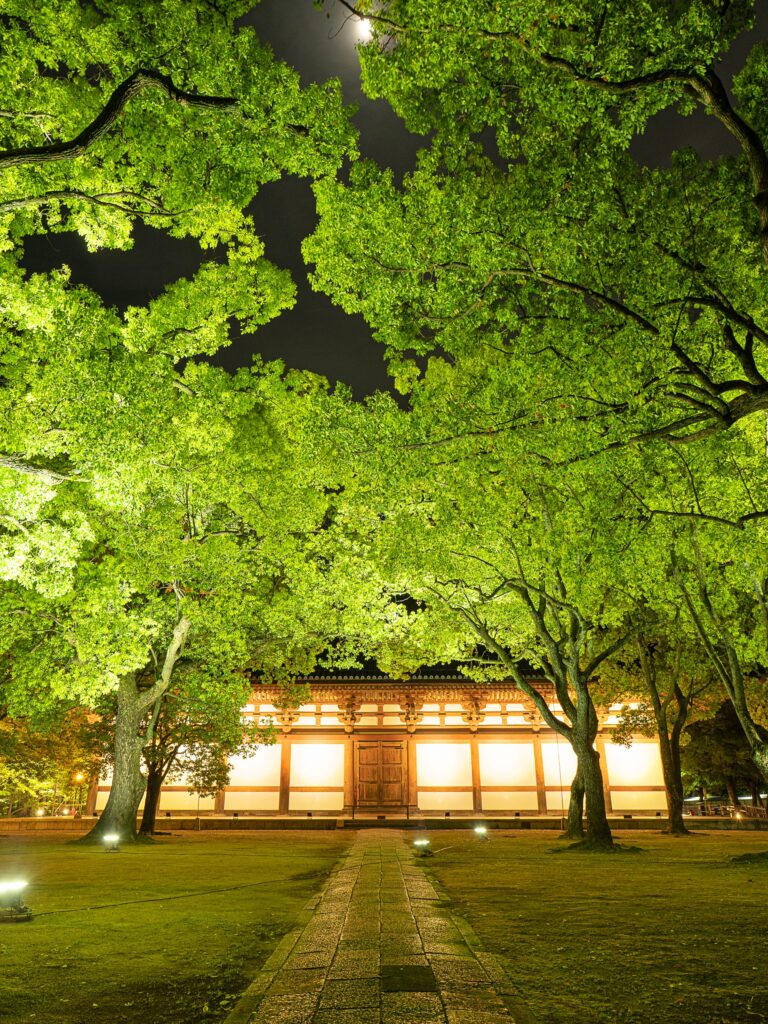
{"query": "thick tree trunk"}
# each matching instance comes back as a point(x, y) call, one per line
point(119, 816)
point(574, 828)
point(151, 800)
point(598, 833)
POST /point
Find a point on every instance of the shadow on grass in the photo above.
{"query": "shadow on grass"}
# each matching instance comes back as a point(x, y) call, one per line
point(751, 858)
point(586, 846)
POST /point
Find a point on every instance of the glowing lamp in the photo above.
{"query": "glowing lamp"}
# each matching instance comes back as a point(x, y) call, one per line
point(40, 812)
point(364, 30)
point(422, 847)
point(481, 831)
point(79, 777)
point(738, 815)
point(111, 842)
point(12, 907)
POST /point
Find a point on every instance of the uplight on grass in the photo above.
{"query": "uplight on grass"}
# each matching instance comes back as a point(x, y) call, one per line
point(481, 831)
point(11, 902)
point(111, 842)
point(422, 847)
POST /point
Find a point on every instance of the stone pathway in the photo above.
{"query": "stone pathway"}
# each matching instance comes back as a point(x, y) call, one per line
point(381, 947)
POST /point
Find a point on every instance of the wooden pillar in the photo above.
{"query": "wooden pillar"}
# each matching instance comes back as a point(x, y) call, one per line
point(600, 748)
point(285, 774)
point(90, 800)
point(349, 774)
point(413, 795)
point(538, 761)
point(477, 797)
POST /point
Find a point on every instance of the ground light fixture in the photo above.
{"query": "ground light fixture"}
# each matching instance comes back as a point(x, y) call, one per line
point(422, 847)
point(481, 831)
point(111, 842)
point(12, 908)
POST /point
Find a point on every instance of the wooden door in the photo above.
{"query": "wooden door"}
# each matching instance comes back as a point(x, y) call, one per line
point(380, 773)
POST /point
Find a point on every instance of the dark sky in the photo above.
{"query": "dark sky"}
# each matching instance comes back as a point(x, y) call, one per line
point(315, 335)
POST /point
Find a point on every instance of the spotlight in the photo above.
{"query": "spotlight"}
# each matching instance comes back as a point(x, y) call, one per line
point(422, 847)
point(12, 908)
point(481, 831)
point(111, 842)
point(40, 812)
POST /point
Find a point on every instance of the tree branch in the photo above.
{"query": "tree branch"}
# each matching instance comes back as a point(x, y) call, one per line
point(105, 120)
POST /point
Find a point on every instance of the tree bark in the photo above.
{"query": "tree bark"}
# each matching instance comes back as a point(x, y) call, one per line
point(151, 800)
point(733, 796)
point(574, 828)
point(128, 783)
point(669, 748)
point(119, 816)
point(598, 832)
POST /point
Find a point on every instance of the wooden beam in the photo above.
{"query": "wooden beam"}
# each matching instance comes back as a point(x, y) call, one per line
point(285, 775)
point(538, 761)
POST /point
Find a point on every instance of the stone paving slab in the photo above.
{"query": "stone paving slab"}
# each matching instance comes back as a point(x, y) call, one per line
point(381, 946)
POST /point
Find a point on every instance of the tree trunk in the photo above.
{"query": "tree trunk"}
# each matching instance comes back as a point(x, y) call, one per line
point(733, 796)
point(669, 748)
point(756, 801)
point(598, 830)
point(574, 828)
point(151, 800)
point(119, 816)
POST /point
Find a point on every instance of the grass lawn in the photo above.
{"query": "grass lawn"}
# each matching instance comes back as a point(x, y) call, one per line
point(164, 962)
point(673, 935)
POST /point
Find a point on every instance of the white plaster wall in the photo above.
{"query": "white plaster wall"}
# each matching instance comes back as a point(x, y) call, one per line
point(507, 764)
point(317, 764)
point(510, 801)
point(445, 801)
point(261, 769)
point(443, 764)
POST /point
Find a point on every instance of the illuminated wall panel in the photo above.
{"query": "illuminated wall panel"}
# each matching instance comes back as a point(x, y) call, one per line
point(445, 801)
point(316, 801)
point(443, 764)
point(510, 802)
point(251, 801)
point(507, 764)
point(183, 800)
point(639, 801)
point(263, 769)
point(317, 764)
point(638, 765)
point(559, 763)
point(553, 801)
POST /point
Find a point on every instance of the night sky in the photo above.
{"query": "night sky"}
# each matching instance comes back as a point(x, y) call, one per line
point(315, 335)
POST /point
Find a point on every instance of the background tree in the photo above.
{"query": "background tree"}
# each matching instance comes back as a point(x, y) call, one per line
point(718, 756)
point(45, 764)
point(672, 675)
point(193, 740)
